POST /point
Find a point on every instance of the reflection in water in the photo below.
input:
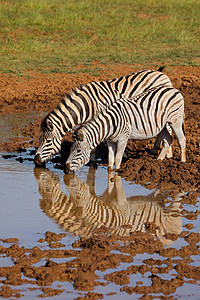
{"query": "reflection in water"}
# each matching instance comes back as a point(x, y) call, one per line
point(83, 211)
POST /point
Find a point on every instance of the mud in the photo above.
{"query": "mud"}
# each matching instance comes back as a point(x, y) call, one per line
point(100, 253)
point(91, 256)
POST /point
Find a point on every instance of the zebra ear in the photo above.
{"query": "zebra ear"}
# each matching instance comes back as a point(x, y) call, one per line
point(43, 125)
point(49, 125)
point(78, 136)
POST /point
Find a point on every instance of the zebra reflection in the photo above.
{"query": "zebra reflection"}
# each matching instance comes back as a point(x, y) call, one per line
point(83, 211)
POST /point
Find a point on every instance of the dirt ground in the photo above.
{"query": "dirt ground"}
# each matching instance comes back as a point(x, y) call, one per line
point(41, 93)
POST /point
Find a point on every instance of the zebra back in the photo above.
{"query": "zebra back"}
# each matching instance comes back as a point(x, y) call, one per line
point(82, 103)
point(140, 117)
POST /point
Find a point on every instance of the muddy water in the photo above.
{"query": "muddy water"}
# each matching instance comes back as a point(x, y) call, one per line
point(31, 198)
point(45, 210)
point(35, 201)
point(100, 200)
point(10, 124)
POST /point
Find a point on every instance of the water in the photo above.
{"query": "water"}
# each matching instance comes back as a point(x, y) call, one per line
point(9, 124)
point(35, 200)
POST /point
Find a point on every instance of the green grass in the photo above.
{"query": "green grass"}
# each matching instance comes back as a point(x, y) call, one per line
point(57, 35)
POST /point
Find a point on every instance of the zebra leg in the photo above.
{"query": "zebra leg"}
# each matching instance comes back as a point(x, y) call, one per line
point(121, 145)
point(92, 155)
point(110, 182)
point(179, 132)
point(120, 193)
point(90, 180)
point(111, 154)
point(169, 152)
point(167, 140)
point(158, 142)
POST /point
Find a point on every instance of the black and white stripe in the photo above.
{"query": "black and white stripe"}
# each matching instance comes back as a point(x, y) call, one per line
point(82, 211)
point(141, 117)
point(81, 104)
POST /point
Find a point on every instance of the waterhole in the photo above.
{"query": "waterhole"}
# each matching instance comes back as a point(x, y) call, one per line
point(43, 211)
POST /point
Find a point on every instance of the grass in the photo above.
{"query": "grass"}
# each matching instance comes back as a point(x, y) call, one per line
point(57, 35)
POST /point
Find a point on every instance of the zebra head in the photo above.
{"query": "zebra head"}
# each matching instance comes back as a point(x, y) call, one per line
point(79, 154)
point(49, 143)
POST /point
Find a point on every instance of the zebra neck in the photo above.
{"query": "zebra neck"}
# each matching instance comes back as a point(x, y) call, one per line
point(63, 122)
point(96, 132)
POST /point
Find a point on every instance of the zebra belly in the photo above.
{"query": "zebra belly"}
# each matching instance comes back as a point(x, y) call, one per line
point(144, 134)
point(141, 137)
point(135, 134)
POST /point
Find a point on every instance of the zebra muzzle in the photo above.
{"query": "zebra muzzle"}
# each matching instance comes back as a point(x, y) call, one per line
point(67, 169)
point(38, 162)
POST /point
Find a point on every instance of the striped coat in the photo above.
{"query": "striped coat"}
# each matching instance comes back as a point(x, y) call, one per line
point(81, 104)
point(141, 117)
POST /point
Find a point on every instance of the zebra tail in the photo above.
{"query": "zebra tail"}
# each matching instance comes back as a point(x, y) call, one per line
point(161, 68)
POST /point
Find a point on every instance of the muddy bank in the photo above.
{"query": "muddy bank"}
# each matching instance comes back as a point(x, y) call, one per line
point(38, 268)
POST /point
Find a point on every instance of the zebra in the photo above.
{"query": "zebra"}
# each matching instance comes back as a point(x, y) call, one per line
point(81, 104)
point(82, 211)
point(142, 117)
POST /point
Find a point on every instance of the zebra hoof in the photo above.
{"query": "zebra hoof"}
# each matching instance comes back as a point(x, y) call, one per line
point(154, 151)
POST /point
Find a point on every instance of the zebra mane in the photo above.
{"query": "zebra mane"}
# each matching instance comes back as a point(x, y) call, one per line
point(77, 89)
point(46, 124)
point(78, 135)
point(146, 92)
point(73, 91)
